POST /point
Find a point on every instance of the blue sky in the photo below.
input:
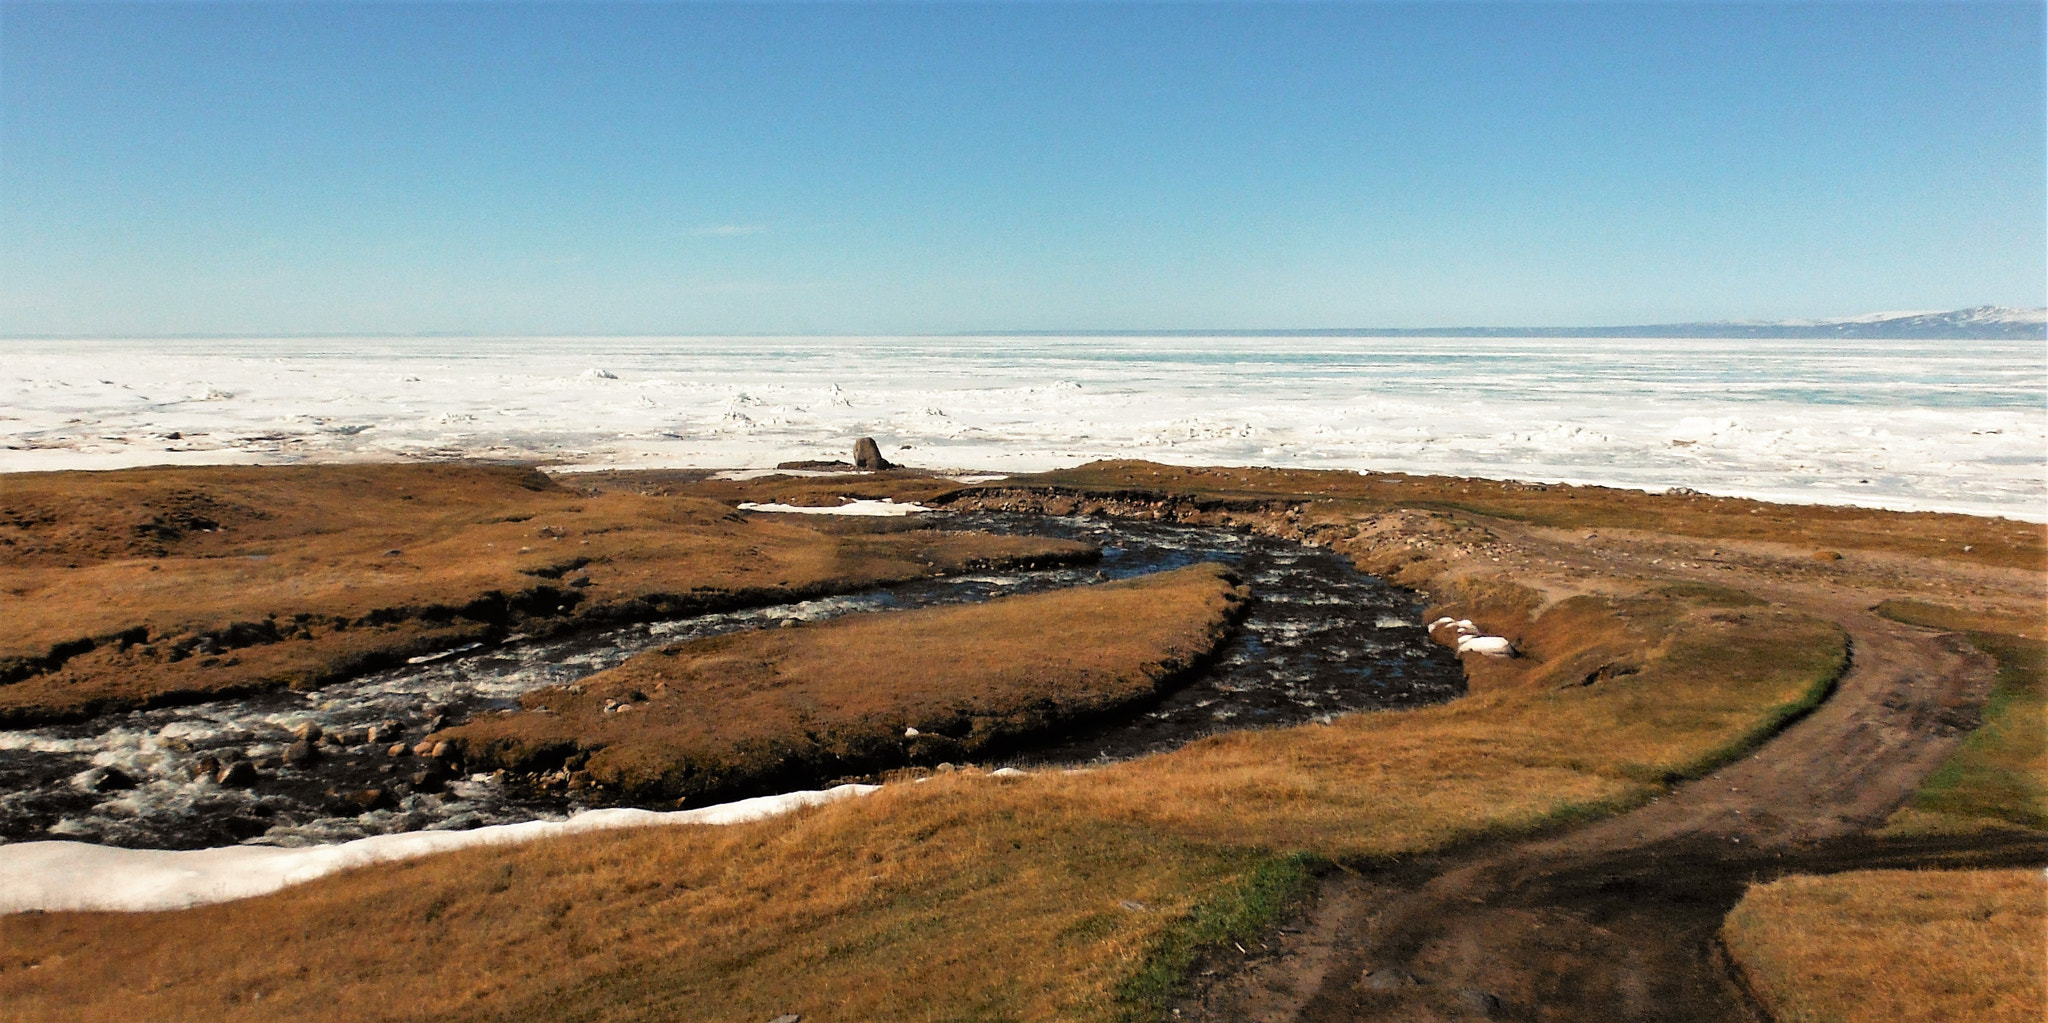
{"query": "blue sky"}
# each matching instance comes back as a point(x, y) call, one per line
point(691, 168)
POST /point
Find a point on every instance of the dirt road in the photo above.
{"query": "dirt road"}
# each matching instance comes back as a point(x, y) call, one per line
point(1618, 920)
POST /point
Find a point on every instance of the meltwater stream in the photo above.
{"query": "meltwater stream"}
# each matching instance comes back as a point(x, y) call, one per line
point(1320, 639)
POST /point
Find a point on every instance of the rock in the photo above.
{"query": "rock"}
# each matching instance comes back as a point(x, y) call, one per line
point(1482, 1002)
point(1827, 555)
point(307, 732)
point(787, 1017)
point(363, 800)
point(104, 779)
point(241, 774)
point(205, 767)
point(301, 753)
point(1389, 978)
point(429, 780)
point(868, 455)
point(442, 751)
point(397, 750)
point(422, 748)
point(383, 732)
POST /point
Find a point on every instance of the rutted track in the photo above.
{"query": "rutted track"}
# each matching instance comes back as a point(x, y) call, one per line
point(1619, 920)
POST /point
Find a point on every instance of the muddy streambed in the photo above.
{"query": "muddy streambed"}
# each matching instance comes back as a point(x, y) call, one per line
point(1320, 639)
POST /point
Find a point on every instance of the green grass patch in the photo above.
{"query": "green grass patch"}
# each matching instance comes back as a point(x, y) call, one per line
point(1242, 912)
point(1998, 777)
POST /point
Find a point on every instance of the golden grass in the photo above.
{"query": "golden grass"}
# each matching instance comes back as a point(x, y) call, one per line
point(709, 718)
point(1892, 946)
point(122, 588)
point(965, 897)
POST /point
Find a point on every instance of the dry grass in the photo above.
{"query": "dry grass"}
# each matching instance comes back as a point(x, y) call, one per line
point(774, 708)
point(124, 588)
point(966, 897)
point(1890, 946)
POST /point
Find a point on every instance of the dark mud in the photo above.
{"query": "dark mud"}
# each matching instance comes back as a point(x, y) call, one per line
point(1320, 639)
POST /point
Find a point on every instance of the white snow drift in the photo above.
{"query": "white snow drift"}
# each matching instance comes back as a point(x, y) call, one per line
point(55, 876)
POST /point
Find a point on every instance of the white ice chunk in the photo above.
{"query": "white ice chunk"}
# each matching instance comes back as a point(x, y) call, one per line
point(1491, 646)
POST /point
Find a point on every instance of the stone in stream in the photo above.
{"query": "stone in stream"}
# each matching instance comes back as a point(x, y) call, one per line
point(307, 732)
point(301, 753)
point(362, 800)
point(868, 455)
point(241, 774)
point(104, 779)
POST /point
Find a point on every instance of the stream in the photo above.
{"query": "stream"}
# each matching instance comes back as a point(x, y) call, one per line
point(1320, 639)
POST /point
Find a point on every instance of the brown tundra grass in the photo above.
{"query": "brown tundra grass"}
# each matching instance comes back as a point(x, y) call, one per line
point(127, 588)
point(1897, 946)
point(732, 713)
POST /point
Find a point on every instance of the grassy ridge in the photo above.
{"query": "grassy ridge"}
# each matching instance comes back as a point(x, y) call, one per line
point(1989, 541)
point(738, 712)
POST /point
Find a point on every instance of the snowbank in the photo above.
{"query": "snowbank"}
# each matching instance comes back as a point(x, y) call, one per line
point(75, 876)
point(883, 507)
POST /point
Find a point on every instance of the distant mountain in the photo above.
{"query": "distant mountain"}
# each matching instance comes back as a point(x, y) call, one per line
point(1984, 322)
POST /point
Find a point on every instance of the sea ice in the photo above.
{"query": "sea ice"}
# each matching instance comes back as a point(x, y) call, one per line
point(1919, 425)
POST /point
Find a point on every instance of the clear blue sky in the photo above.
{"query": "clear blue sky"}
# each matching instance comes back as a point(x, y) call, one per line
point(687, 168)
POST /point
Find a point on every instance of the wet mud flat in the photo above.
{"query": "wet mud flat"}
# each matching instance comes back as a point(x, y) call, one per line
point(293, 768)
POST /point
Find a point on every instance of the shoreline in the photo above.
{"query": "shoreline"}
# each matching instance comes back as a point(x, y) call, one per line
point(1794, 498)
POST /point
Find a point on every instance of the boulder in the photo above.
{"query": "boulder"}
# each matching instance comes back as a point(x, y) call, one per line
point(867, 455)
point(241, 774)
point(301, 753)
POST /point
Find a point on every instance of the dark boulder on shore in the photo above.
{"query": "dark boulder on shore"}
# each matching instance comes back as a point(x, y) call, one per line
point(868, 455)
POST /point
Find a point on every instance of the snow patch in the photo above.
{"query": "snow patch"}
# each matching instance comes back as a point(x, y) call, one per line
point(65, 876)
point(882, 507)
